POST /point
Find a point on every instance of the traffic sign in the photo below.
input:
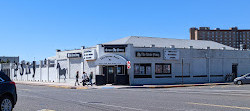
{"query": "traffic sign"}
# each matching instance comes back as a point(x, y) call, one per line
point(128, 65)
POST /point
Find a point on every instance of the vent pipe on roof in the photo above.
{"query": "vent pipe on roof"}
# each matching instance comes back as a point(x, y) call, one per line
point(172, 46)
point(223, 48)
point(191, 47)
point(83, 47)
point(152, 45)
point(243, 46)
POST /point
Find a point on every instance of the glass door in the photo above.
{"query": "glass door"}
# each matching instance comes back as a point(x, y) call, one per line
point(111, 74)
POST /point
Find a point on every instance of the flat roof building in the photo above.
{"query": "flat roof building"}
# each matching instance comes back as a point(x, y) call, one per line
point(139, 60)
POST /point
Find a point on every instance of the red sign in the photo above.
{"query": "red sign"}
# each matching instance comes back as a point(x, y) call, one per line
point(128, 65)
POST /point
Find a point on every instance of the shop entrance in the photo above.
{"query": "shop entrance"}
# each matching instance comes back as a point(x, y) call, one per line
point(109, 73)
point(115, 74)
point(113, 70)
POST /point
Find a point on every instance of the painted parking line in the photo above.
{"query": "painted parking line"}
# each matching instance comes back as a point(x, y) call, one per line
point(114, 106)
point(24, 89)
point(222, 106)
point(212, 86)
point(107, 87)
point(223, 86)
point(46, 110)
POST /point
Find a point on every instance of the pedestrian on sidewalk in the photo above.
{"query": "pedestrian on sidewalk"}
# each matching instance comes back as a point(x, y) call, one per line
point(77, 77)
point(84, 77)
point(90, 78)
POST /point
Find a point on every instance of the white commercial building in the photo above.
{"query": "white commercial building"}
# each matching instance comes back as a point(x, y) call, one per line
point(148, 60)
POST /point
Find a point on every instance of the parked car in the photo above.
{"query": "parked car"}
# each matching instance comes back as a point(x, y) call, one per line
point(8, 95)
point(245, 79)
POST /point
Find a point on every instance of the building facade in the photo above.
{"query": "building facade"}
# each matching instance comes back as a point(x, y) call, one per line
point(7, 59)
point(142, 60)
point(232, 37)
point(5, 62)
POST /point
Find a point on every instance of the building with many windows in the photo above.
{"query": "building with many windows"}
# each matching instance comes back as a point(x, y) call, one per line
point(232, 37)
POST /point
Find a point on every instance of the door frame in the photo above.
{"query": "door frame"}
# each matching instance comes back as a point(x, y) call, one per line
point(235, 70)
point(110, 80)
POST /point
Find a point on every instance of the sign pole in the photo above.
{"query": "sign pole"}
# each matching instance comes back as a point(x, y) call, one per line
point(182, 69)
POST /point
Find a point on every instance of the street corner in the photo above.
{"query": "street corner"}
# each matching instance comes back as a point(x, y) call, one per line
point(59, 86)
point(82, 87)
point(79, 87)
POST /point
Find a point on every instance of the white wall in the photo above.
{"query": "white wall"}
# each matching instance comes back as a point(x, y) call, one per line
point(197, 62)
point(42, 74)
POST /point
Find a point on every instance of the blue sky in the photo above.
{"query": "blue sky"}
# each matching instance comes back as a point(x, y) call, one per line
point(36, 28)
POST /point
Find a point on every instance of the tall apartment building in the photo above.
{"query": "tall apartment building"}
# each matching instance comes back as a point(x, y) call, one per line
point(233, 37)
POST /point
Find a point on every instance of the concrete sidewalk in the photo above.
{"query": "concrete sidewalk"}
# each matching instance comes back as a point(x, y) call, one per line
point(53, 84)
point(71, 86)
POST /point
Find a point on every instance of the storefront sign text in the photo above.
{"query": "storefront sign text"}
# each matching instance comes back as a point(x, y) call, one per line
point(171, 54)
point(74, 55)
point(148, 54)
point(114, 48)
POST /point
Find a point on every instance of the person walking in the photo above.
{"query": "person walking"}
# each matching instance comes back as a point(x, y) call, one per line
point(84, 76)
point(77, 77)
point(90, 78)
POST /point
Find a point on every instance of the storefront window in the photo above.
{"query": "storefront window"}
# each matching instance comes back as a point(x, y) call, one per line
point(167, 69)
point(162, 68)
point(148, 70)
point(111, 70)
point(121, 70)
point(137, 69)
point(143, 71)
point(158, 69)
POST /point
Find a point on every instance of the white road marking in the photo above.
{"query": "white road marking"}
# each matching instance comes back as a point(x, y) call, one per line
point(46, 110)
point(244, 93)
point(115, 106)
point(24, 89)
point(223, 106)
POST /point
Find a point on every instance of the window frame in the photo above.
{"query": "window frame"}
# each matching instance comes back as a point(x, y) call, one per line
point(145, 75)
point(123, 69)
point(162, 65)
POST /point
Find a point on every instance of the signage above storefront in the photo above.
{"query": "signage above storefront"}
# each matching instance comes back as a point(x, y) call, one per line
point(170, 54)
point(114, 48)
point(148, 54)
point(74, 55)
point(111, 59)
point(89, 54)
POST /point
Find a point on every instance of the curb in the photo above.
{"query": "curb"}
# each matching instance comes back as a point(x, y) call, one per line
point(126, 87)
point(55, 86)
point(187, 85)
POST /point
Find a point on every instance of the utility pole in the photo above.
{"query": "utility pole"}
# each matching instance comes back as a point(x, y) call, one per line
point(182, 70)
point(208, 67)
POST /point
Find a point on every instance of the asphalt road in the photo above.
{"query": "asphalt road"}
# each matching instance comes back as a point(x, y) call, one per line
point(203, 98)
